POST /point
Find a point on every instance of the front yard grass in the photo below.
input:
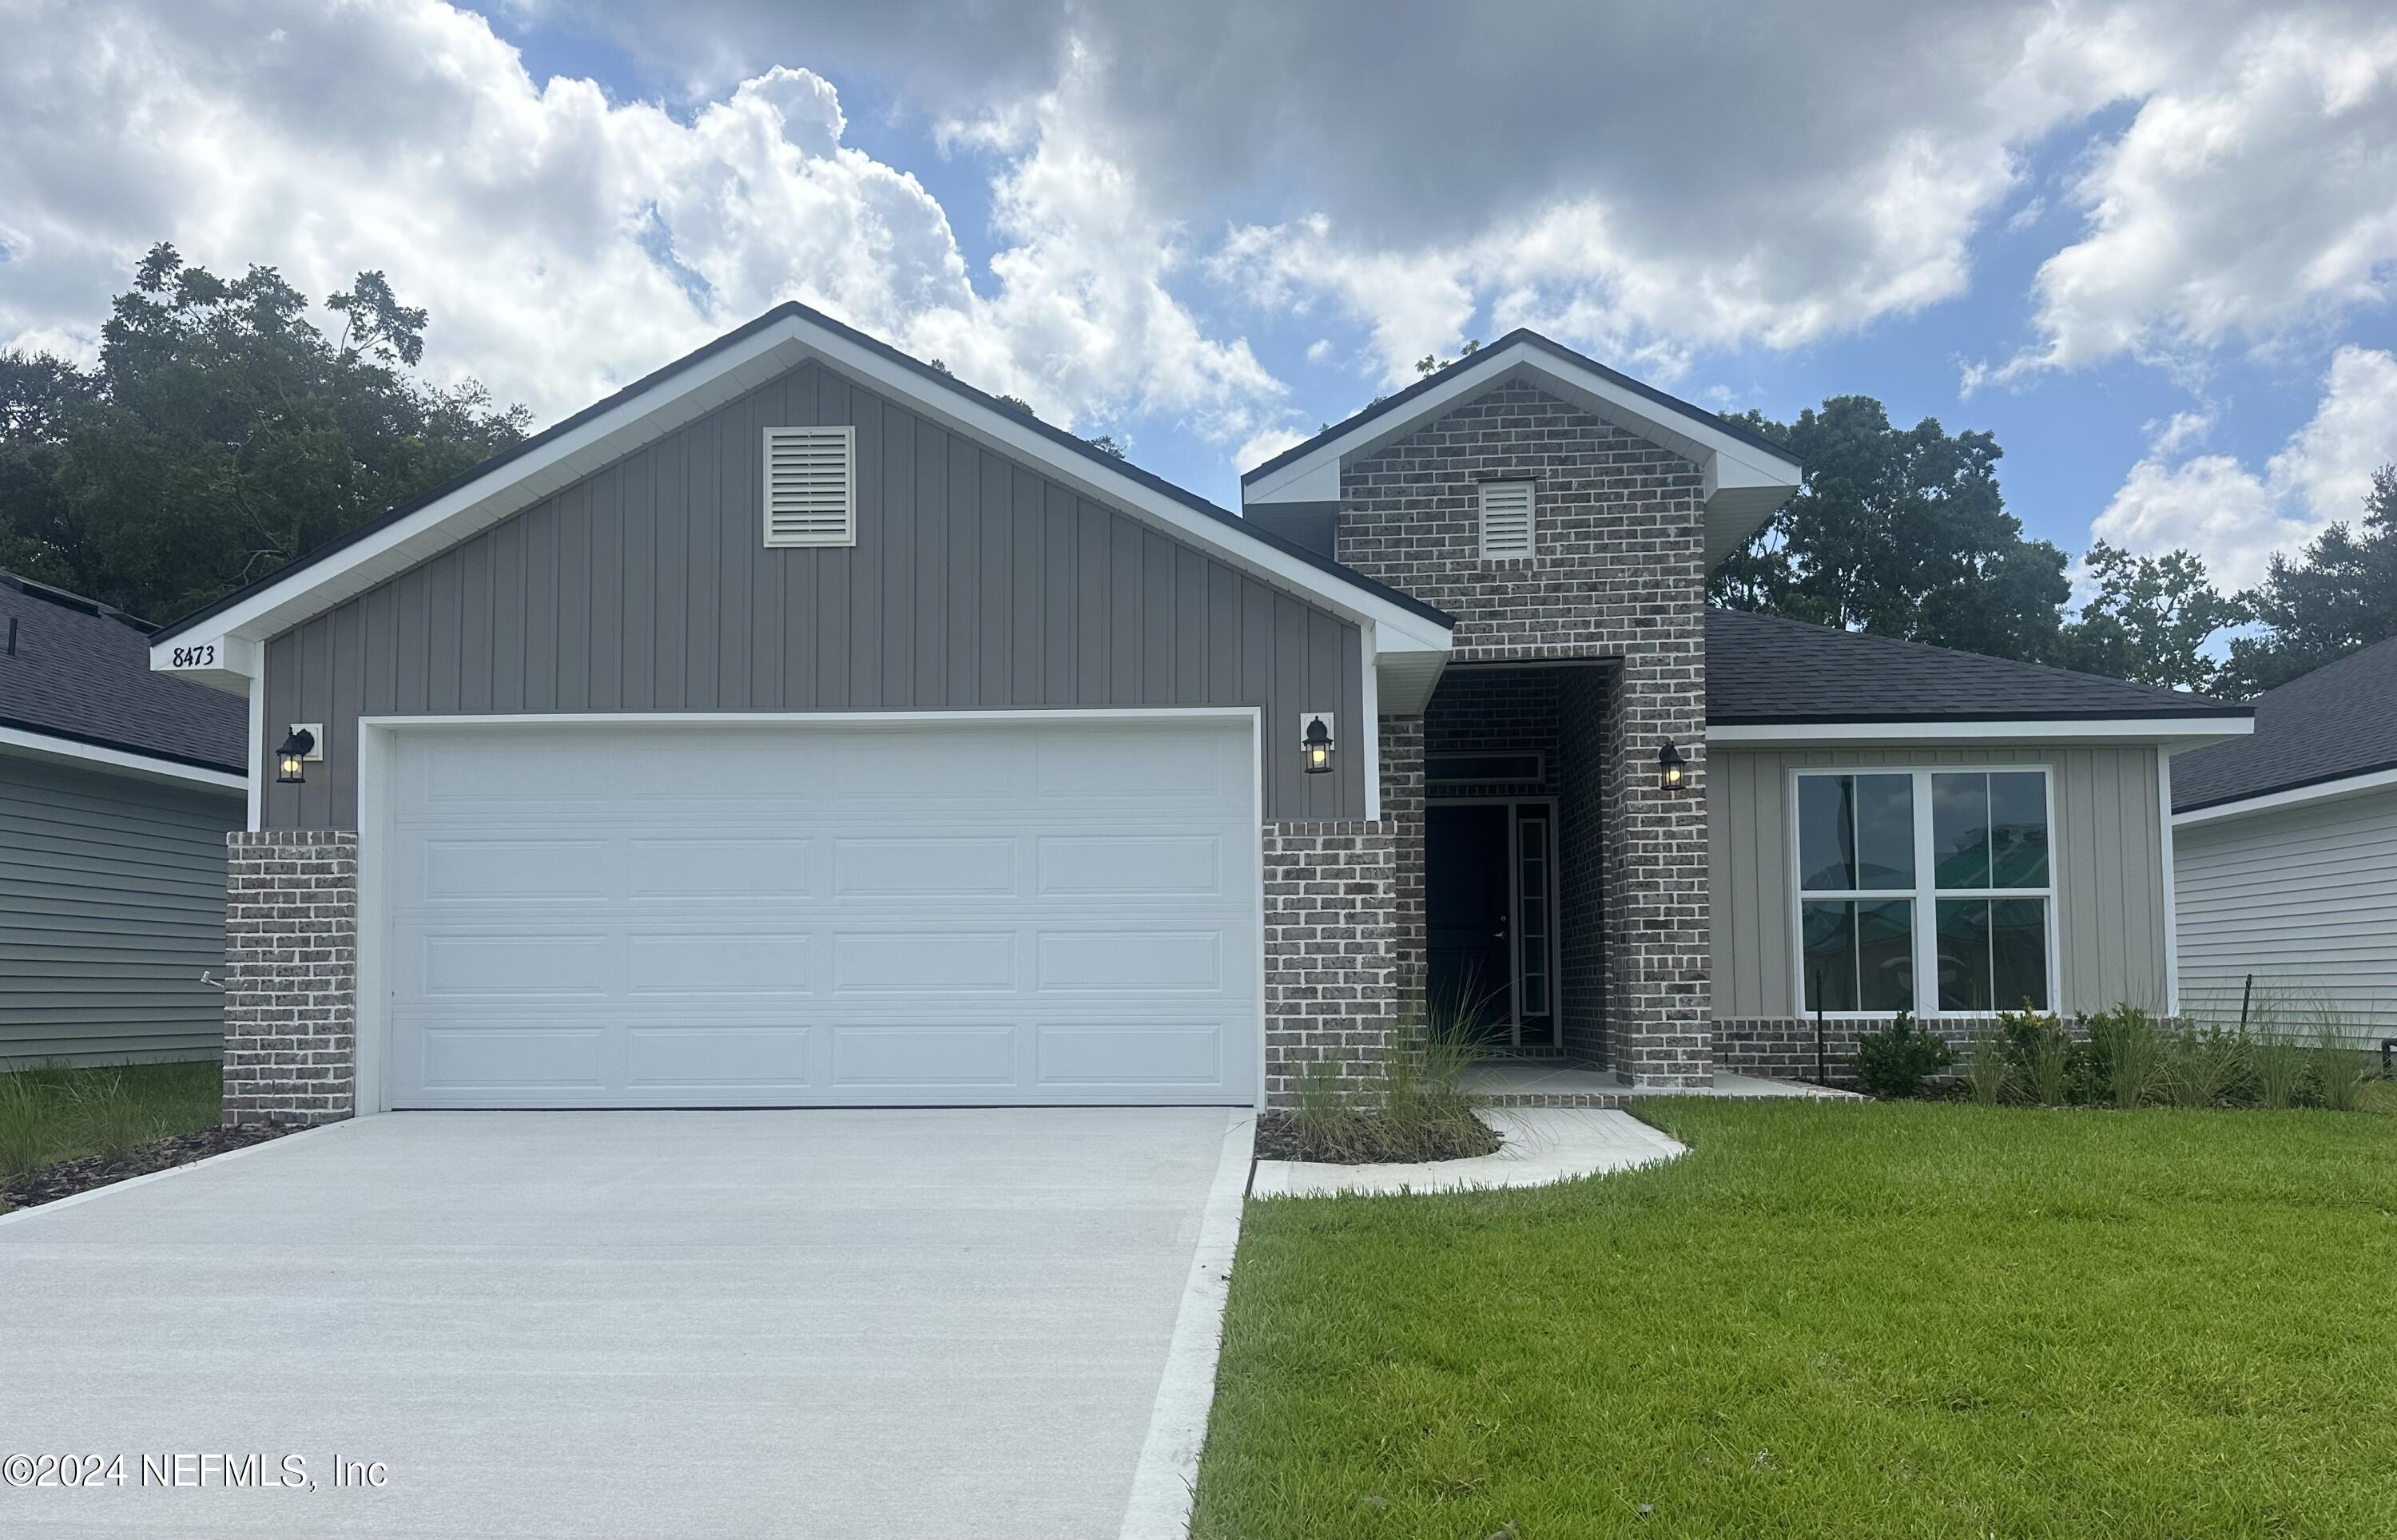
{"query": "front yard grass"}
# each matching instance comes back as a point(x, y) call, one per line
point(57, 1114)
point(1835, 1319)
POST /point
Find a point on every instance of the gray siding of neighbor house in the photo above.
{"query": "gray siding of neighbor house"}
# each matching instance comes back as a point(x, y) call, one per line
point(2109, 887)
point(974, 583)
point(112, 903)
point(2303, 898)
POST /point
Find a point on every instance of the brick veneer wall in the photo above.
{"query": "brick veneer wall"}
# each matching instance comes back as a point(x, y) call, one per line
point(291, 962)
point(1402, 815)
point(1618, 573)
point(1331, 960)
point(1582, 898)
point(1496, 711)
point(1784, 1048)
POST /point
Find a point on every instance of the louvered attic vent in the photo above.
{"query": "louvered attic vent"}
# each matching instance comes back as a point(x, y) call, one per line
point(809, 486)
point(1505, 519)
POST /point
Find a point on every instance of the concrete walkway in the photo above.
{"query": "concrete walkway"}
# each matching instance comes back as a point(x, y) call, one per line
point(1543, 1145)
point(922, 1323)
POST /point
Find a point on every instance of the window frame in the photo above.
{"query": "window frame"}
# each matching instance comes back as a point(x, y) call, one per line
point(1926, 894)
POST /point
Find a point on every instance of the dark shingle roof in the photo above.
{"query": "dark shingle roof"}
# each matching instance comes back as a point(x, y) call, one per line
point(82, 671)
point(1764, 669)
point(2338, 720)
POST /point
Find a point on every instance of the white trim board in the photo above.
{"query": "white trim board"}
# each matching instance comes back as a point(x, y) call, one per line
point(784, 343)
point(2266, 801)
point(2180, 731)
point(377, 741)
point(119, 762)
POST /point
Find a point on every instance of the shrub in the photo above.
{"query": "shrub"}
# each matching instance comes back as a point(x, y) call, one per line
point(2203, 1066)
point(2045, 1060)
point(2339, 1069)
point(2277, 1066)
point(2127, 1054)
point(1897, 1060)
point(1988, 1073)
point(1411, 1106)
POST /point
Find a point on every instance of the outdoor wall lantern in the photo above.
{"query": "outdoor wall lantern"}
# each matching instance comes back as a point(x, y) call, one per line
point(1315, 742)
point(292, 759)
point(1670, 767)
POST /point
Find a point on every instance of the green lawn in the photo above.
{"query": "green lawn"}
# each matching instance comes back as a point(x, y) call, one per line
point(1837, 1319)
point(49, 1115)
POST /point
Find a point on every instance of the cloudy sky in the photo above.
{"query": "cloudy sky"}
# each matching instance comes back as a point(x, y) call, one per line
point(2152, 245)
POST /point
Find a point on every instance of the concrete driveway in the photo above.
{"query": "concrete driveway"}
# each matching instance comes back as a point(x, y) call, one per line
point(837, 1323)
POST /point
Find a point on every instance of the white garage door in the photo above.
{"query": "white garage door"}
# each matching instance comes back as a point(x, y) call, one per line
point(799, 915)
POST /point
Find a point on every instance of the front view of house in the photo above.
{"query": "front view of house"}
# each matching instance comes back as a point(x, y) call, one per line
point(799, 726)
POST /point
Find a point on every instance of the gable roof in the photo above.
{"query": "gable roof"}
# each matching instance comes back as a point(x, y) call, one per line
point(80, 674)
point(781, 340)
point(1763, 669)
point(1747, 476)
point(2339, 721)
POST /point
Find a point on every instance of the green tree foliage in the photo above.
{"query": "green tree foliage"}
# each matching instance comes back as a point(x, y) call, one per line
point(1901, 532)
point(222, 434)
point(2338, 595)
point(2150, 620)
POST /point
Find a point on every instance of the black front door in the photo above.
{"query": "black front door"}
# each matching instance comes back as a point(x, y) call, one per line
point(1472, 955)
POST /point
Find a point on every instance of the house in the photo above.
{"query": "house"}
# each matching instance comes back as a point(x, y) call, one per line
point(2288, 852)
point(117, 789)
point(802, 726)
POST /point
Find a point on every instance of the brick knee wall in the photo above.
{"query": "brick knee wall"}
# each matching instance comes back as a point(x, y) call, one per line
point(291, 961)
point(1332, 961)
point(1784, 1048)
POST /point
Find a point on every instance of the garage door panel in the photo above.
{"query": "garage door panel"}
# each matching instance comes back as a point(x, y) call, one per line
point(924, 866)
point(754, 1058)
point(1098, 1054)
point(798, 915)
point(921, 1055)
point(706, 963)
point(721, 868)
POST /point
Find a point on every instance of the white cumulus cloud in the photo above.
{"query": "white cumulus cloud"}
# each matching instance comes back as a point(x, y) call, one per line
point(2236, 517)
point(564, 242)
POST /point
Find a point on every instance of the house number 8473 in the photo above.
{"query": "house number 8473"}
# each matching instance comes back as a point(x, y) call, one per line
point(202, 657)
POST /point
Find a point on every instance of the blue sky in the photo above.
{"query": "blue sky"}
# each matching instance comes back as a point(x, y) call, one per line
point(2148, 245)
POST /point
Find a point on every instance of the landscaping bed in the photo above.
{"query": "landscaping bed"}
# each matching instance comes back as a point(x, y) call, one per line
point(65, 1178)
point(1835, 1319)
point(65, 1130)
point(1370, 1140)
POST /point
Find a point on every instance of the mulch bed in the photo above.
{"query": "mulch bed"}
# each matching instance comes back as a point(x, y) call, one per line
point(1281, 1137)
point(65, 1178)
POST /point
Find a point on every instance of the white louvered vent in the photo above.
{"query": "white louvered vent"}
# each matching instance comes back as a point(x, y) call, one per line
point(1505, 519)
point(809, 486)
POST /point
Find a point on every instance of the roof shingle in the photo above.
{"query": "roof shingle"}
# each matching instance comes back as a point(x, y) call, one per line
point(2338, 720)
point(81, 671)
point(1765, 669)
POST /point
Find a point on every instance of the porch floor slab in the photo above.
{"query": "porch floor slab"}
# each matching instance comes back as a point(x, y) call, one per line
point(1543, 1145)
point(1522, 1083)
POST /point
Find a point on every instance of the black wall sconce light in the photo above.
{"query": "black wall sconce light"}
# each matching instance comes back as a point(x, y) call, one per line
point(1672, 770)
point(303, 745)
point(1315, 742)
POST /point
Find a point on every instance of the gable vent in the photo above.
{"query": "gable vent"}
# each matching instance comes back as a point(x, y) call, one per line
point(1505, 519)
point(809, 486)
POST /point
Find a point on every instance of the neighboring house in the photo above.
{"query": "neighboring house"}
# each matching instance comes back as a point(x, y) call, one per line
point(802, 726)
point(117, 788)
point(2288, 852)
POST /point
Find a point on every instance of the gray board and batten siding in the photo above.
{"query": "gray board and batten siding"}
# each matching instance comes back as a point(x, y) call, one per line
point(112, 906)
point(2113, 909)
point(975, 584)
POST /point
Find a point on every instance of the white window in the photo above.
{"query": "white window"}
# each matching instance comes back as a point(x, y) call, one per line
point(1505, 519)
point(1924, 890)
point(809, 481)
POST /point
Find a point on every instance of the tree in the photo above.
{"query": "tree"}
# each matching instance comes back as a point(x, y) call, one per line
point(221, 435)
point(2150, 620)
point(1900, 532)
point(2341, 594)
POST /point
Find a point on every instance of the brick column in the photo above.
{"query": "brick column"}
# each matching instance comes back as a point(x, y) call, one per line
point(1330, 965)
point(291, 963)
point(1660, 1024)
point(1402, 813)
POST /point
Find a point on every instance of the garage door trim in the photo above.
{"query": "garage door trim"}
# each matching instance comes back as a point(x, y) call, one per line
point(378, 739)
